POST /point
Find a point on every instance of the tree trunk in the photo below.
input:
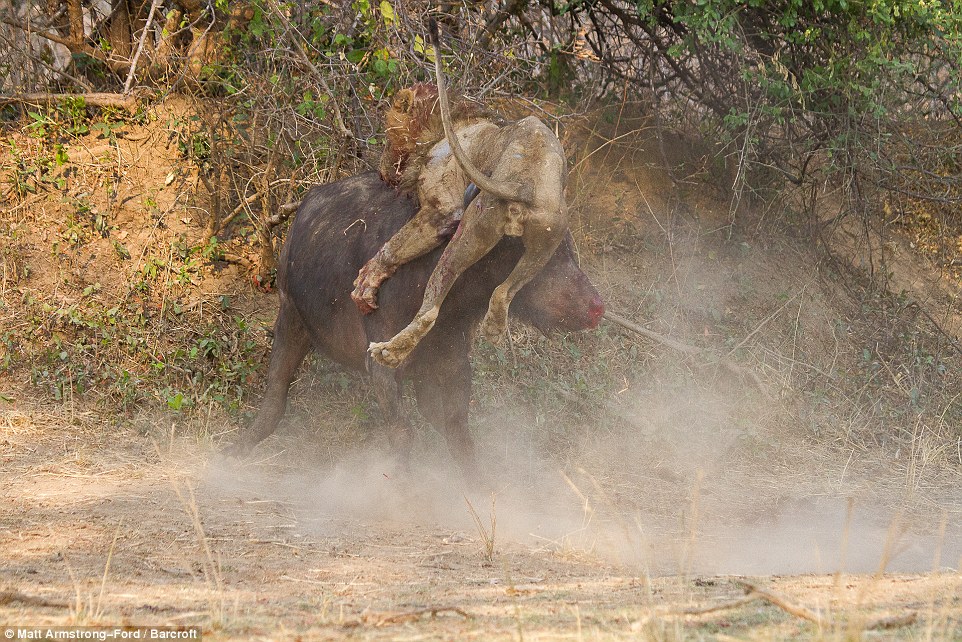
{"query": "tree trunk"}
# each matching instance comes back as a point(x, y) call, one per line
point(119, 31)
point(75, 15)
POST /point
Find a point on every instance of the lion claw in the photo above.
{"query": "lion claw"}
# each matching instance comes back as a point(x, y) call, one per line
point(365, 298)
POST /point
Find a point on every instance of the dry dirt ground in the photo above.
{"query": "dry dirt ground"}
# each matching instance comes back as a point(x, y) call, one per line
point(113, 524)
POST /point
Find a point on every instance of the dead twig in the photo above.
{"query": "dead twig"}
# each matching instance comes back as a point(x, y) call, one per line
point(283, 213)
point(413, 616)
point(784, 604)
point(236, 259)
point(262, 227)
point(140, 46)
point(953, 341)
point(724, 606)
point(25, 203)
point(75, 46)
point(26, 53)
point(688, 349)
point(645, 332)
point(356, 221)
point(892, 621)
point(767, 319)
point(342, 129)
point(487, 536)
point(227, 220)
point(347, 137)
point(16, 597)
point(755, 594)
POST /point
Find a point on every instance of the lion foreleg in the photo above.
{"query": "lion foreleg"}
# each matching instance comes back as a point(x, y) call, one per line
point(417, 237)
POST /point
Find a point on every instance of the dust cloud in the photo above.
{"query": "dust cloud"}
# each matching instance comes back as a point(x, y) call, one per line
point(669, 481)
point(735, 486)
point(687, 470)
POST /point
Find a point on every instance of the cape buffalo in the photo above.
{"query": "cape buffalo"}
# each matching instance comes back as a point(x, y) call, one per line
point(337, 227)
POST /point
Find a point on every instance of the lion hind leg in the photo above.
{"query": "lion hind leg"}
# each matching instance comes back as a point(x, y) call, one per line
point(536, 256)
point(473, 240)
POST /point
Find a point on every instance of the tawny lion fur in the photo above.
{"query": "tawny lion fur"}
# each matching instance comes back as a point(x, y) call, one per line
point(413, 126)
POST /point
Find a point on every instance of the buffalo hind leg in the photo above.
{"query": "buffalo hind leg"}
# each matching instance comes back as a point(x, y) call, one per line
point(291, 345)
point(400, 434)
point(443, 397)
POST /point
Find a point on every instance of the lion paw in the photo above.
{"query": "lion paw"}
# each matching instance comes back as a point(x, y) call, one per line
point(369, 279)
point(386, 354)
point(493, 329)
point(364, 297)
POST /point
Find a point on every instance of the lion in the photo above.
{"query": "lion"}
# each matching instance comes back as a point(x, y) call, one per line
point(519, 169)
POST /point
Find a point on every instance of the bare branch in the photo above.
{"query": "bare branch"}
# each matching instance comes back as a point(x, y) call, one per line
point(688, 349)
point(660, 338)
point(76, 17)
point(784, 603)
point(345, 133)
point(117, 66)
point(283, 213)
point(140, 45)
point(81, 82)
point(130, 102)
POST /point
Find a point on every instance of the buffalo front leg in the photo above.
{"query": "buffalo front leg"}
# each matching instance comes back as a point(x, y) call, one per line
point(472, 241)
point(291, 345)
point(443, 395)
point(420, 235)
point(387, 390)
point(537, 253)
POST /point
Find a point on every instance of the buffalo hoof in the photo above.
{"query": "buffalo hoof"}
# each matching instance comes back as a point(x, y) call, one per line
point(387, 354)
point(238, 450)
